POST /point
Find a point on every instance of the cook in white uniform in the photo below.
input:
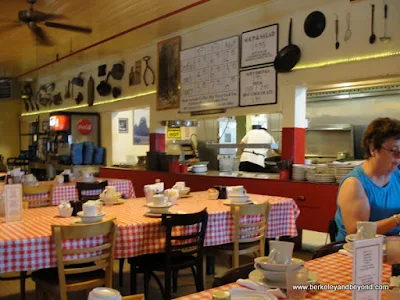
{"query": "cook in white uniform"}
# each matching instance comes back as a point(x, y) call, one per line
point(253, 159)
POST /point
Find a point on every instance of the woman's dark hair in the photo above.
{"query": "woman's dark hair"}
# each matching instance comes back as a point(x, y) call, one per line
point(378, 131)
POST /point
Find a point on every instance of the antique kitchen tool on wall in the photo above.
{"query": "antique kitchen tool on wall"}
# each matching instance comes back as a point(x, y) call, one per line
point(138, 72)
point(104, 88)
point(90, 94)
point(67, 93)
point(289, 56)
point(385, 39)
point(148, 69)
point(337, 44)
point(118, 70)
point(79, 98)
point(78, 80)
point(372, 37)
point(116, 92)
point(314, 25)
point(101, 70)
point(57, 100)
point(347, 35)
point(131, 77)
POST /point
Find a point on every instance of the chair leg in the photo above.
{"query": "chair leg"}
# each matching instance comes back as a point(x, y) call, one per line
point(204, 271)
point(146, 279)
point(121, 272)
point(39, 293)
point(167, 285)
point(22, 284)
point(158, 282)
point(133, 278)
point(196, 281)
point(200, 277)
point(175, 281)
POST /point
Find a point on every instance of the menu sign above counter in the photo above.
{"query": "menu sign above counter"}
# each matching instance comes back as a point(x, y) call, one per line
point(210, 76)
point(259, 46)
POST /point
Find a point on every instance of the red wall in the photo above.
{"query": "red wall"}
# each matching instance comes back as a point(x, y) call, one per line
point(317, 202)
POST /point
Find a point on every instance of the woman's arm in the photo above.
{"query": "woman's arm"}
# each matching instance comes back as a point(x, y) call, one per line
point(354, 206)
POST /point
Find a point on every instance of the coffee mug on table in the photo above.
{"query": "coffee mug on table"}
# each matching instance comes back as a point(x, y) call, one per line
point(159, 200)
point(280, 252)
point(366, 230)
point(238, 190)
point(89, 209)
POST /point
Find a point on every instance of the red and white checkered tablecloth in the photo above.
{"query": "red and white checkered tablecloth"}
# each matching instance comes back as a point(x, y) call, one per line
point(67, 191)
point(27, 245)
point(332, 269)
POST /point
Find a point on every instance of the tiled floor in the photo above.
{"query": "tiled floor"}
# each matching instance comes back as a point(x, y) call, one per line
point(9, 290)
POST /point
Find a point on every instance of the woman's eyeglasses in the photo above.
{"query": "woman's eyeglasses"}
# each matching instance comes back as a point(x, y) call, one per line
point(395, 151)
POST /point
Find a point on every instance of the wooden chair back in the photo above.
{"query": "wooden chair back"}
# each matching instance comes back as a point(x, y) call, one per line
point(249, 232)
point(41, 189)
point(99, 257)
point(83, 187)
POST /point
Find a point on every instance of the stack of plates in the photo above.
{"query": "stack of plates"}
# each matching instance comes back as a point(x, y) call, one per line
point(320, 174)
point(341, 170)
point(299, 172)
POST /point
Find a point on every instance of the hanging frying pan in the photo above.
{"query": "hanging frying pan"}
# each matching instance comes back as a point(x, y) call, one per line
point(104, 88)
point(287, 57)
point(314, 25)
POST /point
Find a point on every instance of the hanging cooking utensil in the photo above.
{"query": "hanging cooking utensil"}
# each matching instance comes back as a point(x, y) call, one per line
point(337, 44)
point(104, 88)
point(78, 80)
point(131, 77)
point(138, 72)
point(50, 88)
point(67, 93)
point(79, 98)
point(347, 35)
point(118, 70)
point(57, 99)
point(116, 92)
point(31, 104)
point(101, 70)
point(289, 56)
point(314, 25)
point(372, 37)
point(26, 103)
point(90, 94)
point(385, 39)
point(148, 69)
point(37, 105)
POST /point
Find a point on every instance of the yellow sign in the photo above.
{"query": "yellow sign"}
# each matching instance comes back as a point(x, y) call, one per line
point(174, 133)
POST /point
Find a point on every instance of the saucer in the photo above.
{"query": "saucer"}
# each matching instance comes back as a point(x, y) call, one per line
point(258, 276)
point(295, 263)
point(117, 201)
point(186, 196)
point(154, 215)
point(353, 237)
point(229, 202)
point(90, 219)
point(165, 205)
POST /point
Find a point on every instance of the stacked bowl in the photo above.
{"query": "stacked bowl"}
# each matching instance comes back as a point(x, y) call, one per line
point(299, 172)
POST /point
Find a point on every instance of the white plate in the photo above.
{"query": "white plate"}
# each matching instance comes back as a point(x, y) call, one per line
point(153, 215)
point(90, 219)
point(229, 202)
point(186, 196)
point(353, 237)
point(263, 261)
point(166, 205)
point(258, 276)
point(116, 202)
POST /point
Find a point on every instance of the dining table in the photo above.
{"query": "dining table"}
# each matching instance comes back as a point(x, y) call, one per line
point(67, 191)
point(27, 245)
point(333, 269)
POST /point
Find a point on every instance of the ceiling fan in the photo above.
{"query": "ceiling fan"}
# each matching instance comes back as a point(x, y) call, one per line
point(33, 17)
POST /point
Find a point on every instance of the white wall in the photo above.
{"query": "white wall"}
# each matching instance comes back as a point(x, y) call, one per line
point(123, 148)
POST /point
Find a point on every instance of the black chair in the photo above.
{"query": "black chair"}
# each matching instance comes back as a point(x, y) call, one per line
point(181, 252)
point(233, 274)
point(328, 249)
point(332, 230)
point(83, 187)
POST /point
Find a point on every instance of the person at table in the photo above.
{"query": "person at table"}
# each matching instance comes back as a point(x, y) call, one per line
point(253, 160)
point(371, 191)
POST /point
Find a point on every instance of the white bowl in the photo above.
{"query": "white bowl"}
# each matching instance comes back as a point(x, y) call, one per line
point(103, 293)
point(65, 212)
point(159, 209)
point(90, 219)
point(273, 276)
point(262, 262)
point(184, 191)
point(213, 196)
point(238, 199)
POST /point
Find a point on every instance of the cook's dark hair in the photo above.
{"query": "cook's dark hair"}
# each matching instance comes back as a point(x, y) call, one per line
point(378, 131)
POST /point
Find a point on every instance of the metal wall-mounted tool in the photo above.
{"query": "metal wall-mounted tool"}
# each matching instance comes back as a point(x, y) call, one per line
point(138, 72)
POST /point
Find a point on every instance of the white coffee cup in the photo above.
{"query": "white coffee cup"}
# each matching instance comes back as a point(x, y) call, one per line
point(238, 190)
point(366, 230)
point(180, 184)
point(159, 200)
point(60, 179)
point(103, 293)
point(280, 252)
point(111, 189)
point(89, 209)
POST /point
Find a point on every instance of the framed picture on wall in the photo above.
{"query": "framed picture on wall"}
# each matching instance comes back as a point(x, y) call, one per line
point(168, 95)
point(141, 121)
point(123, 125)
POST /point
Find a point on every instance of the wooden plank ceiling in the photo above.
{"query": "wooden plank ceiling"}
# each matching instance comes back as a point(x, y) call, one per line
point(20, 53)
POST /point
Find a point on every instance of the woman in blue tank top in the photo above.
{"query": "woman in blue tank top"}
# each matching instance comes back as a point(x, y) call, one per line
point(371, 192)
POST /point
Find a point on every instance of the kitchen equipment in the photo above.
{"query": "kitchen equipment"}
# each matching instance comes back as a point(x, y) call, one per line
point(385, 39)
point(148, 69)
point(131, 77)
point(347, 35)
point(90, 91)
point(118, 70)
point(67, 88)
point(57, 100)
point(50, 88)
point(289, 56)
point(116, 92)
point(337, 44)
point(101, 70)
point(78, 80)
point(372, 37)
point(104, 88)
point(138, 72)
point(342, 155)
point(79, 98)
point(314, 25)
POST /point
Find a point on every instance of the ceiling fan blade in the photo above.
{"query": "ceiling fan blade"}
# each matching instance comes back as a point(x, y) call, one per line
point(42, 17)
point(68, 27)
point(41, 35)
point(10, 25)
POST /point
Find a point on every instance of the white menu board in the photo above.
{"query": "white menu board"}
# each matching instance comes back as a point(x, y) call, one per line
point(258, 86)
point(210, 76)
point(259, 46)
point(13, 202)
